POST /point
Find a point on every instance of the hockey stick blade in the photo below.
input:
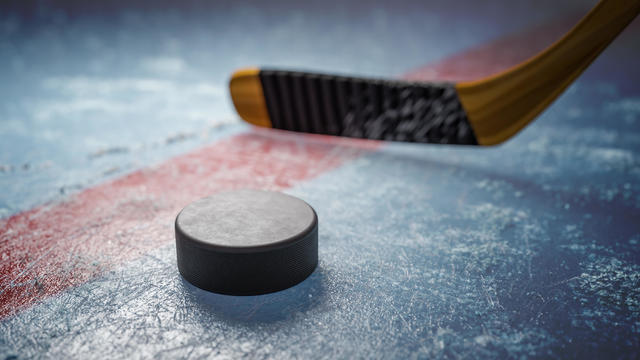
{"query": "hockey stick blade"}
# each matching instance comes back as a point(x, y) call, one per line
point(484, 112)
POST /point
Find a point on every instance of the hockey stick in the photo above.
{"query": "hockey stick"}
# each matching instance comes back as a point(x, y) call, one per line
point(483, 112)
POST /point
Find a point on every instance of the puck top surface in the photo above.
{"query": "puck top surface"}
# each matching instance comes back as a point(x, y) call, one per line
point(246, 220)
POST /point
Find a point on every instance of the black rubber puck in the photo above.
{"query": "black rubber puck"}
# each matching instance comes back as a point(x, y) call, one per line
point(247, 242)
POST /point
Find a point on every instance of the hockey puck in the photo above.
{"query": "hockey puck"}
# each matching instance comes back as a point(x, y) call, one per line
point(247, 242)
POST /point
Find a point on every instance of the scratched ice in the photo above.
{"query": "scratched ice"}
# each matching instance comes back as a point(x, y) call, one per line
point(424, 252)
